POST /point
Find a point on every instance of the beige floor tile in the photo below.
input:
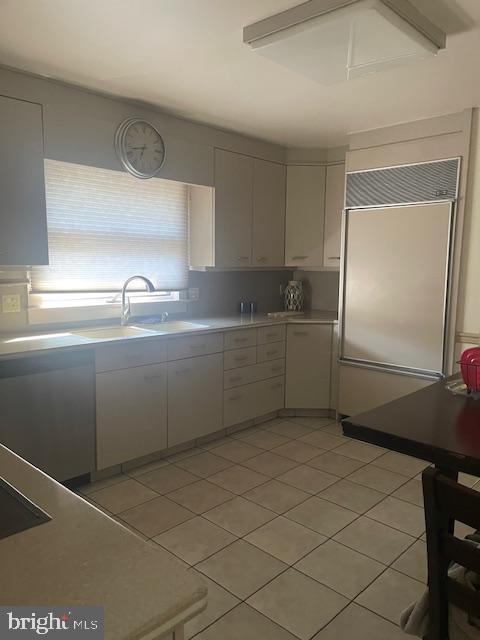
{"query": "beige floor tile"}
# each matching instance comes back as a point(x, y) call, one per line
point(390, 594)
point(374, 539)
point(155, 516)
point(241, 568)
point(404, 465)
point(244, 623)
point(219, 603)
point(277, 496)
point(167, 479)
point(357, 623)
point(265, 439)
point(298, 603)
point(467, 480)
point(333, 463)
point(195, 540)
point(200, 496)
point(237, 451)
point(210, 445)
point(352, 496)
point(183, 454)
point(238, 479)
point(286, 540)
point(91, 487)
point(313, 422)
point(336, 429)
point(412, 492)
point(122, 495)
point(414, 562)
point(270, 464)
point(239, 516)
point(298, 451)
point(400, 515)
point(204, 464)
point(308, 479)
point(172, 563)
point(323, 440)
point(340, 568)
point(322, 516)
point(288, 429)
point(462, 530)
point(376, 478)
point(360, 451)
point(134, 472)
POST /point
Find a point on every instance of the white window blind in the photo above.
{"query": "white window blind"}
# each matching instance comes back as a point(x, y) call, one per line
point(105, 226)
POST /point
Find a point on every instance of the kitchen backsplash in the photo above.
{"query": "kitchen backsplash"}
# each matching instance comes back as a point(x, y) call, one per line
point(321, 289)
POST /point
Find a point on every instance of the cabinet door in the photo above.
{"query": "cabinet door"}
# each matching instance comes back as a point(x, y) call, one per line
point(195, 391)
point(131, 413)
point(233, 209)
point(309, 357)
point(23, 226)
point(334, 202)
point(305, 216)
point(268, 214)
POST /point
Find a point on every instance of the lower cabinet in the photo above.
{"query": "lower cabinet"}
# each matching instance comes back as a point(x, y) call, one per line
point(253, 400)
point(309, 364)
point(131, 413)
point(194, 397)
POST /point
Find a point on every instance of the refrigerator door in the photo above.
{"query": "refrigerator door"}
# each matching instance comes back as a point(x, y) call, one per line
point(395, 287)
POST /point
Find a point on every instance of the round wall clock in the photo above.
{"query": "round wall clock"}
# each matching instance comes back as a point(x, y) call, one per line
point(140, 148)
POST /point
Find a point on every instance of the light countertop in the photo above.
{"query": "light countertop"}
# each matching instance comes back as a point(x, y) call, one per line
point(31, 342)
point(82, 556)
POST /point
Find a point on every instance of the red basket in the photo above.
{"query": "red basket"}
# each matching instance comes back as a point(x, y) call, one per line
point(470, 368)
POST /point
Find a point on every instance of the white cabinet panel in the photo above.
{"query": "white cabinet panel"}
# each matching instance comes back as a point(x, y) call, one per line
point(239, 358)
point(271, 351)
point(305, 216)
point(123, 355)
point(197, 345)
point(241, 338)
point(271, 334)
point(268, 214)
point(253, 400)
point(131, 413)
point(334, 203)
point(194, 398)
point(309, 361)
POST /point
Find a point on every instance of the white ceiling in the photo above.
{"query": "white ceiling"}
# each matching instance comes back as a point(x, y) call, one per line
point(188, 57)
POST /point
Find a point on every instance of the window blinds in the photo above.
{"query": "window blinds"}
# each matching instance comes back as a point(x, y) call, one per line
point(105, 226)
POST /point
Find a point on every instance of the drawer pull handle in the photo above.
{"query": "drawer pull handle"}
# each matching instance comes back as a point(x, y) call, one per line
point(241, 339)
point(261, 259)
point(236, 379)
point(198, 346)
point(242, 258)
point(180, 372)
point(334, 257)
point(300, 333)
point(276, 386)
point(272, 353)
point(277, 368)
point(241, 358)
point(299, 257)
point(233, 398)
point(271, 335)
point(155, 376)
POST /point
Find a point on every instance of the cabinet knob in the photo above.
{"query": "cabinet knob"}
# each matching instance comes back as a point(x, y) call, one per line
point(241, 358)
point(299, 257)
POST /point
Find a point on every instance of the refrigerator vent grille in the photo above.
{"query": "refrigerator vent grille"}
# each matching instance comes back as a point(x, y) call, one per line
point(426, 182)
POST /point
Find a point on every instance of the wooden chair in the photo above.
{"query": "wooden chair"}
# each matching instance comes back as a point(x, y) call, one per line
point(447, 502)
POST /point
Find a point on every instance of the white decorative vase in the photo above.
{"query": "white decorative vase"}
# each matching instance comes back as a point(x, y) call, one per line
point(294, 296)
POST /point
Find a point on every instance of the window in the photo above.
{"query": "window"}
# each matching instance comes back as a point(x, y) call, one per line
point(105, 226)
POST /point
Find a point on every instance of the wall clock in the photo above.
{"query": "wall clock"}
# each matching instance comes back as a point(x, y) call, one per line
point(140, 147)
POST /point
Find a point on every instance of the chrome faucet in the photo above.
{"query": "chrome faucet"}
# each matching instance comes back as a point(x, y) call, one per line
point(125, 313)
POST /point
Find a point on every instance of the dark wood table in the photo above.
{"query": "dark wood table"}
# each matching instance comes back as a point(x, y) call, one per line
point(432, 424)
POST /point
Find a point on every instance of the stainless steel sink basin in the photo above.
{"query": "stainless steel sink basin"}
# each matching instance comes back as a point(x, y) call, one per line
point(108, 333)
point(178, 325)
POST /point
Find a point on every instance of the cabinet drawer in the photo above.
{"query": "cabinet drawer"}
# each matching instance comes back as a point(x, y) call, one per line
point(198, 345)
point(271, 334)
point(271, 395)
point(253, 373)
point(122, 355)
point(239, 339)
point(253, 400)
point(270, 369)
point(239, 358)
point(271, 351)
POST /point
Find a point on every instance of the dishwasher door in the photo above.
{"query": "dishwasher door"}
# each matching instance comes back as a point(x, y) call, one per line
point(47, 411)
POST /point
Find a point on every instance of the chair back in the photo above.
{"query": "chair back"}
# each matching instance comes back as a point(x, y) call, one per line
point(447, 502)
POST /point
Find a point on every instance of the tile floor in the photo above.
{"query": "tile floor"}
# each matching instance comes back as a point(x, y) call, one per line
point(298, 531)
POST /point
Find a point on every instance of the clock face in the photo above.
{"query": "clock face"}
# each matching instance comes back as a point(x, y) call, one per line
point(140, 148)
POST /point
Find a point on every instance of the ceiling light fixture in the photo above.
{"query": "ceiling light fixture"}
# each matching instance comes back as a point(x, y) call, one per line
point(335, 40)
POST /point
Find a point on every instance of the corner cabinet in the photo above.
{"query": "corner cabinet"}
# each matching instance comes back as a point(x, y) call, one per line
point(23, 226)
point(241, 222)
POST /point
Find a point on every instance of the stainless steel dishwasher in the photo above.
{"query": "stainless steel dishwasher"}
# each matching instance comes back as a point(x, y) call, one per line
point(47, 411)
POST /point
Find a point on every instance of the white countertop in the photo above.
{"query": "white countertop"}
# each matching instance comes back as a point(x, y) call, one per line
point(30, 342)
point(82, 556)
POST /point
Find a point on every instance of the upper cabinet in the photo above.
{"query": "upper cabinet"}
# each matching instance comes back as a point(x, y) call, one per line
point(334, 203)
point(23, 219)
point(241, 222)
point(268, 235)
point(305, 216)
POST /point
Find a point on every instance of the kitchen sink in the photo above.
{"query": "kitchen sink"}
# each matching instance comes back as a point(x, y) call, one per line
point(108, 333)
point(178, 325)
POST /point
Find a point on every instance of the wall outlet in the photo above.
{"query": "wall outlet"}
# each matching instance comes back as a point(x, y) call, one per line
point(194, 294)
point(11, 303)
